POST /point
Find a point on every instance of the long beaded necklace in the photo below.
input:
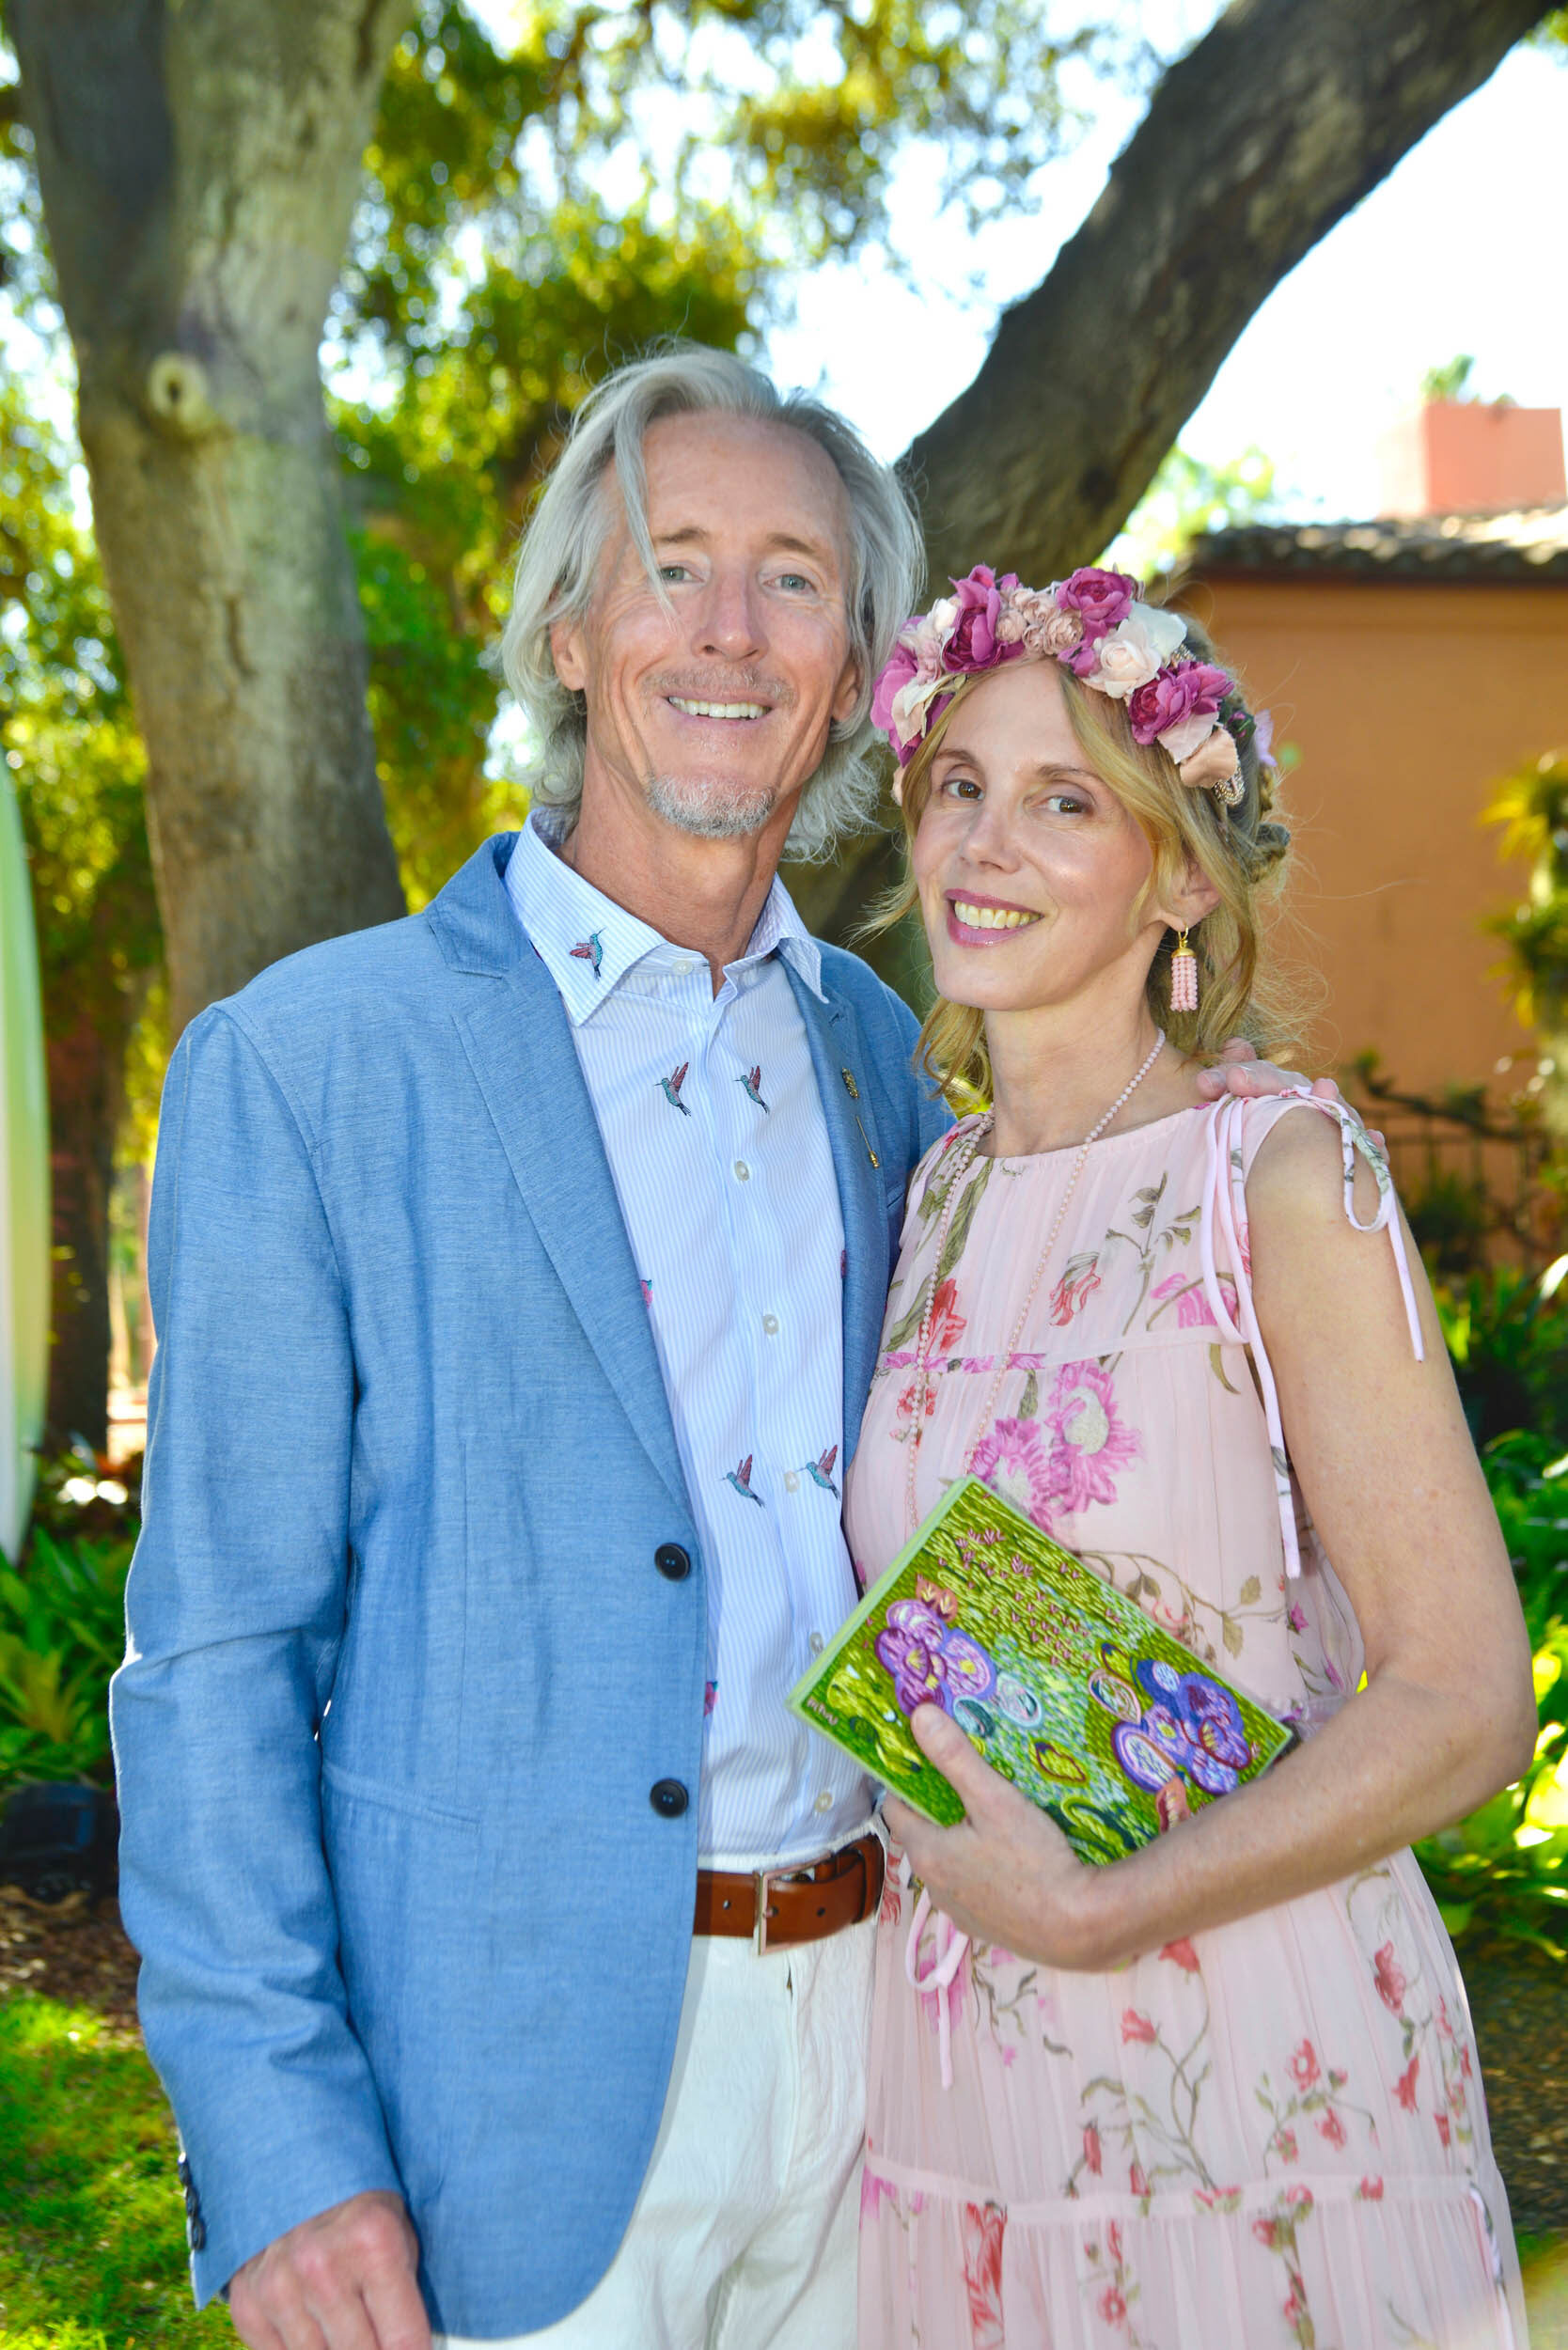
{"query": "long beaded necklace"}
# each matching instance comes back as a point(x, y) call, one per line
point(968, 1147)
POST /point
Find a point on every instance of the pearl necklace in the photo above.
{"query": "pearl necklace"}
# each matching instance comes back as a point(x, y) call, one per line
point(969, 1148)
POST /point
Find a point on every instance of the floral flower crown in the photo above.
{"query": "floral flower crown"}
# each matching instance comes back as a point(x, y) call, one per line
point(1097, 624)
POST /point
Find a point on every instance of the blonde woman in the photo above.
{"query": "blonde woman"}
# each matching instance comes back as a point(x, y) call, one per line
point(1222, 2091)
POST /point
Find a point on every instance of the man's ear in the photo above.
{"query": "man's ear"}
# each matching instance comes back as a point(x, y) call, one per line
point(567, 652)
point(847, 692)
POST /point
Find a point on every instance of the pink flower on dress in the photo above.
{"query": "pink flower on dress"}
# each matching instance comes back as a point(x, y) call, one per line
point(1370, 2190)
point(1092, 2158)
point(1267, 2233)
point(1390, 1978)
point(1074, 1291)
point(874, 2192)
point(983, 2227)
point(1012, 1460)
point(1332, 2128)
point(1301, 2197)
point(1182, 1955)
point(1443, 2126)
point(1113, 2307)
point(1296, 1617)
point(1138, 2028)
point(1089, 1444)
point(1138, 2179)
point(1285, 2145)
point(948, 1325)
point(1404, 2088)
point(1113, 2237)
point(906, 1400)
point(1192, 1306)
point(1304, 2065)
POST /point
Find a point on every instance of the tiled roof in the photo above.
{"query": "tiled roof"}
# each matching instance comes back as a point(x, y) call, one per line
point(1531, 545)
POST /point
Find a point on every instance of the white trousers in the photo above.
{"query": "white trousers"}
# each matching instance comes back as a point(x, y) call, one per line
point(745, 2235)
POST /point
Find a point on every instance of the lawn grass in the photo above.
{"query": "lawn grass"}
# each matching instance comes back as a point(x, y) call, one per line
point(92, 2247)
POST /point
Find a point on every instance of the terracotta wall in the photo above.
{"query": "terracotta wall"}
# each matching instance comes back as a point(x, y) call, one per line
point(1406, 701)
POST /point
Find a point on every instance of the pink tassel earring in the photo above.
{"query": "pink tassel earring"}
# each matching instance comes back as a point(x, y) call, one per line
point(1183, 977)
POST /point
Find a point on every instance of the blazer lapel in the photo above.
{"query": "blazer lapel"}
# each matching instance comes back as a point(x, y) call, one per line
point(833, 1034)
point(519, 1043)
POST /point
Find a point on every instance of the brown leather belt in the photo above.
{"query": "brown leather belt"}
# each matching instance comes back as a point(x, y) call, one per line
point(778, 1907)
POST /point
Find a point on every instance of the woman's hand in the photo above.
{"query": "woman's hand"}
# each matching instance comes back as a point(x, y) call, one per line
point(1006, 1873)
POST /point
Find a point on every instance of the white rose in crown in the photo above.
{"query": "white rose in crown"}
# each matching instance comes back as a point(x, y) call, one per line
point(1138, 646)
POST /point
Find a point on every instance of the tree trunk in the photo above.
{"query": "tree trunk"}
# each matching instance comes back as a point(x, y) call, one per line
point(1281, 120)
point(198, 164)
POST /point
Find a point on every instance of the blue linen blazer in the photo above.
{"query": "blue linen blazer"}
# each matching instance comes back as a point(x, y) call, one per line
point(401, 1669)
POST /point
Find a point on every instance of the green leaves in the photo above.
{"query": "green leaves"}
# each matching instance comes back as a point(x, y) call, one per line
point(1502, 1873)
point(66, 728)
point(62, 1634)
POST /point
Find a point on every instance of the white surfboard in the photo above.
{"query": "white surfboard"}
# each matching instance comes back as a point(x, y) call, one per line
point(24, 1187)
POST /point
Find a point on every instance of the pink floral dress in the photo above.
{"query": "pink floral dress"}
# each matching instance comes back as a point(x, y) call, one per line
point(1273, 2133)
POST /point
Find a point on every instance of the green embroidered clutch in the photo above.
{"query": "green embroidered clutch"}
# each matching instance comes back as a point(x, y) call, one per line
point(1065, 1687)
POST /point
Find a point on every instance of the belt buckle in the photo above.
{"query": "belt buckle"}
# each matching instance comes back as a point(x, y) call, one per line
point(762, 1881)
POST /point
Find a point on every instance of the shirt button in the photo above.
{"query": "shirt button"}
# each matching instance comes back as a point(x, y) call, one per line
point(672, 1563)
point(743, 1172)
point(823, 1802)
point(668, 1799)
point(791, 1481)
point(684, 968)
point(816, 1643)
point(770, 1324)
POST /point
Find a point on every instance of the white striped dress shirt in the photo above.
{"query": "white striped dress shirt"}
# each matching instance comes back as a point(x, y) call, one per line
point(709, 1112)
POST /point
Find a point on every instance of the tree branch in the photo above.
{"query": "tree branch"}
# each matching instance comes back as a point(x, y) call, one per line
point(1264, 135)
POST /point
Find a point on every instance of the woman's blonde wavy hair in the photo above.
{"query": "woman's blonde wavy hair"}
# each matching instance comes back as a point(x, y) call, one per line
point(1241, 850)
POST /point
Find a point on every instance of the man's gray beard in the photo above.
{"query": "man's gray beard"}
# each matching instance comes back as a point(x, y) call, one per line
point(709, 810)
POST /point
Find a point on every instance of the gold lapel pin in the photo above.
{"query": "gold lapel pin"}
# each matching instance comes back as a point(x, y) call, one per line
point(853, 1092)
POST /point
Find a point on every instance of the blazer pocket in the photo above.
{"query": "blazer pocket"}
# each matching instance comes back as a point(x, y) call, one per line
point(395, 1799)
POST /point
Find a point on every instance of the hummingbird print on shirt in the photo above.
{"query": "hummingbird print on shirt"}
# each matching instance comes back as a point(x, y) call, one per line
point(753, 1085)
point(820, 1470)
point(670, 1088)
point(741, 1478)
point(591, 950)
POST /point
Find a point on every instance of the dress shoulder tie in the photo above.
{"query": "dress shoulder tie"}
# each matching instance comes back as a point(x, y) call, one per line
point(1224, 1210)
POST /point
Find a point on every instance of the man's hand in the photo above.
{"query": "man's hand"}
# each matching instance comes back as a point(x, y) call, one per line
point(346, 2279)
point(1239, 1071)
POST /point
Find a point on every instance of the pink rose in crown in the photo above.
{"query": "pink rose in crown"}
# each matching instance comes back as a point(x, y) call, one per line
point(976, 641)
point(1183, 695)
point(1101, 599)
point(903, 668)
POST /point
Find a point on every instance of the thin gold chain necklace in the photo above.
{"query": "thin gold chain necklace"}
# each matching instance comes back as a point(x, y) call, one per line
point(969, 1147)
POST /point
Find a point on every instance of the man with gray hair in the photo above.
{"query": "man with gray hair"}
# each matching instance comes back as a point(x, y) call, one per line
point(518, 1271)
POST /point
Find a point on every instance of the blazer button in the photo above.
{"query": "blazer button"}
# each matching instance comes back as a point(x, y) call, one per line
point(668, 1799)
point(672, 1563)
point(198, 2234)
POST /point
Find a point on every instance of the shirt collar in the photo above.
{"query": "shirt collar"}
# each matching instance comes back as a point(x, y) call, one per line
point(589, 944)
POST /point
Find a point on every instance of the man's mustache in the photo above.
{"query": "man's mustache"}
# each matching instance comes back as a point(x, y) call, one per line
point(736, 685)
